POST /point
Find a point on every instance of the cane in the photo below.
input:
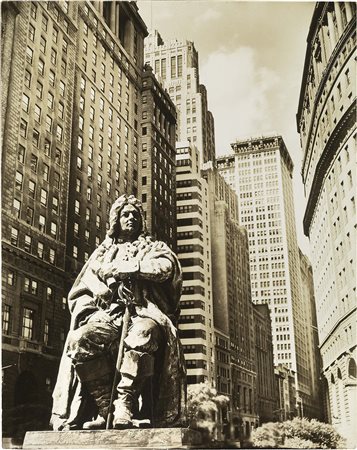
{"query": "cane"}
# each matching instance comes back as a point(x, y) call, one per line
point(124, 332)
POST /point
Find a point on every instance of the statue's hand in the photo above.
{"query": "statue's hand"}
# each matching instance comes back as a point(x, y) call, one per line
point(100, 316)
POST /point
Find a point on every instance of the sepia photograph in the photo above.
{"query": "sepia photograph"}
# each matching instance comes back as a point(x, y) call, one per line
point(178, 224)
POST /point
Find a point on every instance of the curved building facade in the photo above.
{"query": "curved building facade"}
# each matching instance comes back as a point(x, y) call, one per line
point(326, 123)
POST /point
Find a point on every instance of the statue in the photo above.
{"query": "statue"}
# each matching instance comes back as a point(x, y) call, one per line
point(124, 307)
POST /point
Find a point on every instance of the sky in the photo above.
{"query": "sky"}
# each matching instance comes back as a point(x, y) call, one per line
point(251, 58)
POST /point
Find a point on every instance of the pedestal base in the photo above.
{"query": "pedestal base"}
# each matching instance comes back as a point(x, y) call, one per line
point(150, 438)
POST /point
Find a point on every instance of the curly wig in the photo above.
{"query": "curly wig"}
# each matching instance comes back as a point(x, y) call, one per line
point(120, 202)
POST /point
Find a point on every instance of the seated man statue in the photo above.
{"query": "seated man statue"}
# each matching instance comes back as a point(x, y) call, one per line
point(130, 277)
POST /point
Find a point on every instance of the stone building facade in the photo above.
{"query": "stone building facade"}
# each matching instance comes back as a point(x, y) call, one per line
point(326, 121)
point(267, 397)
point(71, 108)
point(157, 160)
point(260, 171)
point(232, 305)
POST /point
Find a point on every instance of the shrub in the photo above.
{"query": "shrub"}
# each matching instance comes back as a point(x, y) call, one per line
point(269, 435)
point(317, 432)
point(297, 433)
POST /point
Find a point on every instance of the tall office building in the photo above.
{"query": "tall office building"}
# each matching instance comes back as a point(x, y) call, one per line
point(266, 395)
point(232, 305)
point(194, 252)
point(175, 64)
point(308, 298)
point(326, 121)
point(157, 160)
point(260, 171)
point(71, 107)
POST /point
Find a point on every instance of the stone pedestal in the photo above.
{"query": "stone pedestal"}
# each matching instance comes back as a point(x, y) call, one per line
point(149, 438)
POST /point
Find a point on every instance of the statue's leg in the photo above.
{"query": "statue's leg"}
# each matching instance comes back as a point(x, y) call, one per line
point(138, 364)
point(88, 347)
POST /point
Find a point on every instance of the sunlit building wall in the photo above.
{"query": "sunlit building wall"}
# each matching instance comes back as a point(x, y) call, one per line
point(326, 121)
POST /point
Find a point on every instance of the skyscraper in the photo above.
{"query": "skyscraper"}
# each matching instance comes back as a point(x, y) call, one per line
point(71, 108)
point(232, 305)
point(194, 252)
point(175, 64)
point(260, 171)
point(326, 121)
point(157, 160)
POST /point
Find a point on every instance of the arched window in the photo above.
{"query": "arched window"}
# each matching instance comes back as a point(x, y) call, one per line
point(352, 369)
point(339, 374)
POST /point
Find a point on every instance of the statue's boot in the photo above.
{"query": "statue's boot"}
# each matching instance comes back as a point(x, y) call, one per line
point(97, 376)
point(135, 370)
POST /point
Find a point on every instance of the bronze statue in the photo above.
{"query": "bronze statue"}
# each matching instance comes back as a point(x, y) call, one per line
point(124, 306)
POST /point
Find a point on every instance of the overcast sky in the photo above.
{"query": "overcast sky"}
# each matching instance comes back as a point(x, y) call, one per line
point(251, 57)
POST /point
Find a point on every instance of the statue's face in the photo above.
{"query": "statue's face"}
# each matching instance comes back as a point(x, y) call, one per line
point(130, 221)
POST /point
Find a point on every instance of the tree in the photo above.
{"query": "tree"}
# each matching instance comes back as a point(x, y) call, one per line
point(203, 404)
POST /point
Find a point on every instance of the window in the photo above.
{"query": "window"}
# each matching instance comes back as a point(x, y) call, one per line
point(46, 332)
point(27, 323)
point(48, 125)
point(32, 189)
point(64, 46)
point(17, 207)
point(53, 229)
point(14, 236)
point(50, 100)
point(33, 11)
point(29, 55)
point(56, 180)
point(40, 249)
point(83, 84)
point(97, 221)
point(27, 78)
point(55, 35)
point(42, 223)
point(19, 180)
point(87, 214)
point(23, 128)
point(75, 251)
point(91, 132)
point(53, 56)
point(61, 110)
point(31, 33)
point(51, 78)
point(76, 207)
point(89, 193)
point(59, 133)
point(78, 185)
point(39, 89)
point(33, 163)
point(6, 312)
point(46, 172)
point(92, 94)
point(28, 243)
point(52, 256)
point(25, 103)
point(37, 113)
point(62, 88)
point(35, 138)
point(44, 24)
point(21, 154)
point(29, 215)
point(79, 163)
point(44, 197)
point(63, 67)
point(43, 44)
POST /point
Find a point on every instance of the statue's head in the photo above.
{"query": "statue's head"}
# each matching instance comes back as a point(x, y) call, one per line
point(126, 218)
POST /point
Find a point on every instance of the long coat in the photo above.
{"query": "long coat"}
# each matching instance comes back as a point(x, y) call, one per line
point(158, 286)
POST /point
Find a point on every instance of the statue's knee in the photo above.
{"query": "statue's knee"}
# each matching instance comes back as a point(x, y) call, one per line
point(144, 335)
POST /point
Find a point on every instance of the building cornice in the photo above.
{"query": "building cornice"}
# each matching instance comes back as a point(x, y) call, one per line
point(333, 57)
point(332, 145)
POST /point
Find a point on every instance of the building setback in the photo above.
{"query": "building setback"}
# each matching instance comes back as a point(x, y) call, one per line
point(326, 122)
point(157, 160)
point(260, 171)
point(71, 107)
point(232, 306)
point(175, 64)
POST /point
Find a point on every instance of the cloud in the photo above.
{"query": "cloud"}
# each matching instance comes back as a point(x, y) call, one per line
point(240, 92)
point(208, 15)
